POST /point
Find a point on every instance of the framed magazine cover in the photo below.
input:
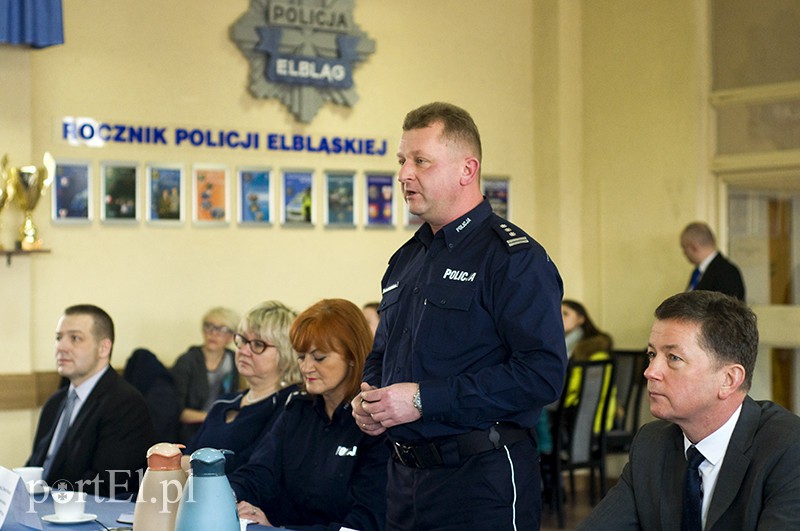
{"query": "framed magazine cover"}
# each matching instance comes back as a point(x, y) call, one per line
point(165, 192)
point(72, 194)
point(297, 198)
point(379, 199)
point(496, 191)
point(210, 191)
point(340, 199)
point(119, 192)
point(255, 198)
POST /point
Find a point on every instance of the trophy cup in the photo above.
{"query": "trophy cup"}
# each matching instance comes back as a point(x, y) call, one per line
point(28, 184)
point(4, 189)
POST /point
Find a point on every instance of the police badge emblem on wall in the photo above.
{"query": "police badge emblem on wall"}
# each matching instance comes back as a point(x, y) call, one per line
point(302, 52)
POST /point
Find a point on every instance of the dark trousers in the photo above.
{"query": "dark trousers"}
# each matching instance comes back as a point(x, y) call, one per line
point(496, 490)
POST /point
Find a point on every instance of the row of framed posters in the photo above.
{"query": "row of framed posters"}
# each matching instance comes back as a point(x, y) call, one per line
point(251, 192)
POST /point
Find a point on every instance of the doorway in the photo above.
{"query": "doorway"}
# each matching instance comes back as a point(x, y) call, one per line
point(764, 240)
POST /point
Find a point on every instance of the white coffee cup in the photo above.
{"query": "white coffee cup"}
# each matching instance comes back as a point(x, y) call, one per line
point(69, 505)
point(32, 476)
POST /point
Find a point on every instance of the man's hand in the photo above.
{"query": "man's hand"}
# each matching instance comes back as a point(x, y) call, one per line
point(377, 409)
point(364, 420)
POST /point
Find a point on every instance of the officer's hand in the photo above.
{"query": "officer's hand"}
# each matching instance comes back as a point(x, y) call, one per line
point(390, 406)
point(364, 420)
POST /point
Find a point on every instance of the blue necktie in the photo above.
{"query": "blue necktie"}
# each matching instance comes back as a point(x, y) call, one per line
point(66, 416)
point(695, 280)
point(692, 492)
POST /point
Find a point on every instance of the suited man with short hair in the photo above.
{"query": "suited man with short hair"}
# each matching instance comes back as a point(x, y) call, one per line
point(702, 353)
point(93, 435)
point(713, 272)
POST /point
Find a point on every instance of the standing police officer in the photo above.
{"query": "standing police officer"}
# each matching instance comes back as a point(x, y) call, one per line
point(469, 348)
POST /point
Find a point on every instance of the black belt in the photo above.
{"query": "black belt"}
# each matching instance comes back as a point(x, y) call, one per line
point(432, 453)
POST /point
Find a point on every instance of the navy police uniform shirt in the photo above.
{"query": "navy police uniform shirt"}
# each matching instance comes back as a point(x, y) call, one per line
point(312, 472)
point(240, 435)
point(473, 314)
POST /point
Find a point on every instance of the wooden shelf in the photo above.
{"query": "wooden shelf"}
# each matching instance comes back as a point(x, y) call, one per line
point(9, 254)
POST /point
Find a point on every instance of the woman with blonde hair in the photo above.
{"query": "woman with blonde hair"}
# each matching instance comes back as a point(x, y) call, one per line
point(266, 360)
point(205, 372)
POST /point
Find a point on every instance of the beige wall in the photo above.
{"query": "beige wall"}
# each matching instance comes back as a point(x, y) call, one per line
point(15, 305)
point(121, 63)
point(620, 144)
point(592, 109)
point(645, 169)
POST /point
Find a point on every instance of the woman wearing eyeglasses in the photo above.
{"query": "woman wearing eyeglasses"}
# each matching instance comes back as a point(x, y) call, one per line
point(266, 359)
point(207, 371)
point(315, 469)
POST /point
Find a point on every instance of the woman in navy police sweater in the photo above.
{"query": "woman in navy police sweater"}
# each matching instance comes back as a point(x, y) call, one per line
point(315, 469)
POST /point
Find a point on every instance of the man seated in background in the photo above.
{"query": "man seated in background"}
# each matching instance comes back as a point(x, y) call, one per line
point(93, 435)
point(717, 460)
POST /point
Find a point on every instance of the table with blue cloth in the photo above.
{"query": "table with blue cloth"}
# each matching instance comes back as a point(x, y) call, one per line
point(108, 511)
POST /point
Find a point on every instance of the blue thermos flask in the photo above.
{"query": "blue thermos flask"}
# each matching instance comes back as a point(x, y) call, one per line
point(208, 501)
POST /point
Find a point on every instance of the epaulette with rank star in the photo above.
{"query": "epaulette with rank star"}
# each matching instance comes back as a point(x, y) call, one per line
point(293, 396)
point(514, 238)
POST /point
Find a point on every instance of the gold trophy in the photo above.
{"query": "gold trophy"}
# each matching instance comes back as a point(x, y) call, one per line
point(4, 189)
point(28, 183)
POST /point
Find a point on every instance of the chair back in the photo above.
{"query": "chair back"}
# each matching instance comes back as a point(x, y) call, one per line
point(579, 422)
point(577, 436)
point(149, 376)
point(630, 383)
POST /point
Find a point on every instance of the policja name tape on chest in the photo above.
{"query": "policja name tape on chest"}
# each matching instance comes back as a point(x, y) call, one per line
point(455, 274)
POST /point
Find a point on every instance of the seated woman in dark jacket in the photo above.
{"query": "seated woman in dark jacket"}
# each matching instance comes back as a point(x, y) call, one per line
point(583, 338)
point(586, 342)
point(315, 469)
point(205, 372)
point(266, 359)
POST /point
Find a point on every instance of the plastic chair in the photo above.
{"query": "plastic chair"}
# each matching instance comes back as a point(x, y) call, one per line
point(576, 442)
point(630, 383)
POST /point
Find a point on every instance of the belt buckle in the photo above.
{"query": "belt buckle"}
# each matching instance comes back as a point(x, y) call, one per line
point(423, 455)
point(405, 454)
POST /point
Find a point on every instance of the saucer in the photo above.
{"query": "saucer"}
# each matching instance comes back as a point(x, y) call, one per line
point(55, 519)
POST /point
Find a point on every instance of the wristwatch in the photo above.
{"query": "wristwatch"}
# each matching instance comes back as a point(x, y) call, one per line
point(417, 401)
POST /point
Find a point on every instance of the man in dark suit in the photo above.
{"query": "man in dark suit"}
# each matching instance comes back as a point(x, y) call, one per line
point(702, 353)
point(713, 272)
point(93, 435)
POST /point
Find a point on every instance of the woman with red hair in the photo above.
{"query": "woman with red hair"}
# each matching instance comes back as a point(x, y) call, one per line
point(315, 469)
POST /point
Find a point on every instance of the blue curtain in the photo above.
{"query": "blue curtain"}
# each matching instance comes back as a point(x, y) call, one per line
point(34, 23)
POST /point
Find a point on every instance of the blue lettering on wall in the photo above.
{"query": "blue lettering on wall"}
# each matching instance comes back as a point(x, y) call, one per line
point(217, 139)
point(96, 134)
point(93, 133)
point(329, 145)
